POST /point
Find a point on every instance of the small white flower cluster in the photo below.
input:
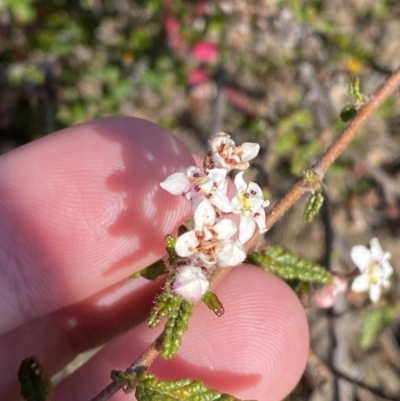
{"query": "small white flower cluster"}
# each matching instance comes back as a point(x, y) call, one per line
point(212, 241)
point(375, 269)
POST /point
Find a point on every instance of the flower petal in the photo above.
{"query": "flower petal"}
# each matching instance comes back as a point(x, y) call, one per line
point(387, 269)
point(247, 226)
point(260, 220)
point(361, 256)
point(217, 175)
point(236, 205)
point(231, 255)
point(255, 190)
point(186, 244)
point(225, 229)
point(176, 184)
point(221, 201)
point(195, 171)
point(239, 182)
point(360, 284)
point(204, 215)
point(375, 293)
point(376, 249)
point(249, 151)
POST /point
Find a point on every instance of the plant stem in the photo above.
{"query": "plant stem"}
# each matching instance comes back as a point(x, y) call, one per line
point(140, 365)
point(304, 185)
point(336, 148)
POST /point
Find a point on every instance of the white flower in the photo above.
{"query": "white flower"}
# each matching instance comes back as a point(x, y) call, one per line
point(210, 240)
point(374, 267)
point(249, 203)
point(226, 154)
point(190, 283)
point(198, 184)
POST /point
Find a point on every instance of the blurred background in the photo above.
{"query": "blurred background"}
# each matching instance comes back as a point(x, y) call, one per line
point(272, 71)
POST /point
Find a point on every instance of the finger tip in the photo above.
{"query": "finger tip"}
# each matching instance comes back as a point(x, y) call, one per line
point(257, 349)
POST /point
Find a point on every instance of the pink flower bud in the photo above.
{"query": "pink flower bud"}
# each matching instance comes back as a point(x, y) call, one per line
point(190, 283)
point(326, 296)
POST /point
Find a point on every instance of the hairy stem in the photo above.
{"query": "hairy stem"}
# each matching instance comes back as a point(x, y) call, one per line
point(304, 185)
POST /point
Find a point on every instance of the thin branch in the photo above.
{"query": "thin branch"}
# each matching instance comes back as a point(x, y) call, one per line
point(329, 372)
point(336, 148)
point(319, 169)
point(150, 354)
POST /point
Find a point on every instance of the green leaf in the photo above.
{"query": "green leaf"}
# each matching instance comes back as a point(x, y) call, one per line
point(177, 324)
point(355, 90)
point(35, 384)
point(348, 112)
point(374, 323)
point(170, 242)
point(163, 307)
point(151, 272)
point(150, 389)
point(289, 266)
point(213, 303)
point(313, 206)
point(158, 268)
point(127, 379)
point(178, 311)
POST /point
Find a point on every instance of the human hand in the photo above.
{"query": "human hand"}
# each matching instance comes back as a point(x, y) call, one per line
point(81, 210)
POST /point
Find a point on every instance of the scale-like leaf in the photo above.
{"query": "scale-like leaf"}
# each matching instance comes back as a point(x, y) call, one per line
point(170, 242)
point(128, 380)
point(289, 267)
point(150, 389)
point(313, 206)
point(177, 324)
point(163, 307)
point(213, 303)
point(35, 384)
point(178, 312)
point(151, 272)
